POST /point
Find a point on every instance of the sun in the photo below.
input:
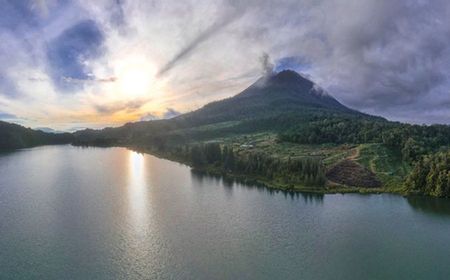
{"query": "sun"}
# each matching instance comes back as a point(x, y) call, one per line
point(135, 76)
point(135, 82)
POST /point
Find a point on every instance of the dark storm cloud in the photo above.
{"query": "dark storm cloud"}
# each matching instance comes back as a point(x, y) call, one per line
point(394, 57)
point(68, 53)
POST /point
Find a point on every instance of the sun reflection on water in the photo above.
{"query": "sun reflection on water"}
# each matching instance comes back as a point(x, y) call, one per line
point(137, 190)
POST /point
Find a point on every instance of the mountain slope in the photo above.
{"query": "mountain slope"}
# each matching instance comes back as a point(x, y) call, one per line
point(13, 136)
point(285, 92)
point(272, 103)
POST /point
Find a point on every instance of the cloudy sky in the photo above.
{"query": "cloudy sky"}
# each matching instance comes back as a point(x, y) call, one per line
point(68, 64)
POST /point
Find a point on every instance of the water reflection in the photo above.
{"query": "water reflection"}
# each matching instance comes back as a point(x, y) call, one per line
point(137, 189)
point(429, 205)
point(313, 198)
point(115, 214)
point(202, 178)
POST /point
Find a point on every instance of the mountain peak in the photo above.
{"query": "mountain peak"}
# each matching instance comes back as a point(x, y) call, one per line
point(291, 78)
point(291, 88)
point(287, 74)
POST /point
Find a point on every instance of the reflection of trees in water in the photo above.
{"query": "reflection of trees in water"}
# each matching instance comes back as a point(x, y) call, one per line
point(313, 197)
point(203, 178)
point(307, 197)
point(430, 205)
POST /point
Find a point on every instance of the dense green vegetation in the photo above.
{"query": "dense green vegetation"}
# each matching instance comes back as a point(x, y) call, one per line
point(388, 149)
point(431, 176)
point(13, 136)
point(413, 141)
point(291, 171)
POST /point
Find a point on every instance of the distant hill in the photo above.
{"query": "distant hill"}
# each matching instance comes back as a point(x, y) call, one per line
point(14, 136)
point(48, 130)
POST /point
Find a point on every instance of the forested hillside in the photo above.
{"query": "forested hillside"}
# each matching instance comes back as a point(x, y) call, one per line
point(13, 136)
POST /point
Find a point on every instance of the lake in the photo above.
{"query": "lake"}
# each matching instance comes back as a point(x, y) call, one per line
point(111, 213)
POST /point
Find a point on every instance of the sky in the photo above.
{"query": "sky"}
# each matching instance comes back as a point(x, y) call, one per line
point(68, 64)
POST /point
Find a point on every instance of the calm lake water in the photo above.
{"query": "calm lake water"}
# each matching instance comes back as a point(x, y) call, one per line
point(94, 213)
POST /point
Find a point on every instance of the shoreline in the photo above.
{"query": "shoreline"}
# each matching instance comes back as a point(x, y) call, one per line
point(251, 179)
point(270, 184)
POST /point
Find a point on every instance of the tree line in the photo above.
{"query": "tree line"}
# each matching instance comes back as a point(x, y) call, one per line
point(13, 136)
point(301, 170)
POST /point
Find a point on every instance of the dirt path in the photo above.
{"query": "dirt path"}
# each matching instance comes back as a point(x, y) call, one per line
point(355, 154)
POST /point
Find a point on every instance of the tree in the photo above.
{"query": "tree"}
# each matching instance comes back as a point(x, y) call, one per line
point(213, 152)
point(229, 159)
point(431, 175)
point(197, 156)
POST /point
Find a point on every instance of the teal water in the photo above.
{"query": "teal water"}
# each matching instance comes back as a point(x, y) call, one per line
point(95, 213)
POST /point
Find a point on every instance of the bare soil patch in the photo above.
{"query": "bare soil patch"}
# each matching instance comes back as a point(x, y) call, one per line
point(350, 173)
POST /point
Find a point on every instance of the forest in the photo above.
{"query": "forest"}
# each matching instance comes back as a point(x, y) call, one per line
point(305, 171)
point(431, 175)
point(413, 141)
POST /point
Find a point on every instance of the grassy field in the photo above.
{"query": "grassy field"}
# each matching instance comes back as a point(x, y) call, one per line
point(385, 163)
